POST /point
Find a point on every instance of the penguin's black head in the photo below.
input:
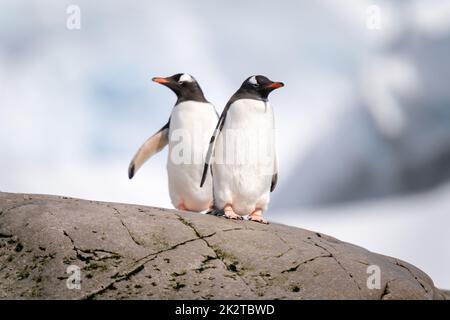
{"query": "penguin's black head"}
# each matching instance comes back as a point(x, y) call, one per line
point(258, 87)
point(185, 87)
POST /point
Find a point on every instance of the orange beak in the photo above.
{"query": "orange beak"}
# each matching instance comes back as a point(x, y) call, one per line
point(160, 80)
point(276, 85)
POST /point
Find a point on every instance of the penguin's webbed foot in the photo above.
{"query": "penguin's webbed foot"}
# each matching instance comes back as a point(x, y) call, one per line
point(229, 213)
point(256, 216)
point(258, 219)
point(232, 215)
point(182, 207)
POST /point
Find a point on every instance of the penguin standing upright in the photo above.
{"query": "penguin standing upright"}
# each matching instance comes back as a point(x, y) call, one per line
point(187, 132)
point(243, 148)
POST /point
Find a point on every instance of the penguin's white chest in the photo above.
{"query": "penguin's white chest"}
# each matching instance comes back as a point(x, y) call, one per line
point(244, 157)
point(191, 126)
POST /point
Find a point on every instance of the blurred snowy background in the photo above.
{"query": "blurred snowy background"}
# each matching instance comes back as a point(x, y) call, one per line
point(363, 122)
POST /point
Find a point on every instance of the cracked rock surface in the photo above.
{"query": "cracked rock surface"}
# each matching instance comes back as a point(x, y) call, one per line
point(135, 252)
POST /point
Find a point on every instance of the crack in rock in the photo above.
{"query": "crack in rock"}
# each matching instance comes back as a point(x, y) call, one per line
point(216, 253)
point(386, 290)
point(281, 238)
point(285, 242)
point(126, 228)
point(137, 266)
point(117, 214)
point(131, 234)
point(234, 229)
point(282, 253)
point(397, 263)
point(87, 255)
point(4, 235)
point(314, 243)
point(294, 268)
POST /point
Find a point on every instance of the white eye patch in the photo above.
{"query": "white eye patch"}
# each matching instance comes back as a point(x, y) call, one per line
point(186, 78)
point(252, 80)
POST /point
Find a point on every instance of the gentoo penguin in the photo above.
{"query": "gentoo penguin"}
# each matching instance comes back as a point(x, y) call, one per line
point(243, 148)
point(187, 132)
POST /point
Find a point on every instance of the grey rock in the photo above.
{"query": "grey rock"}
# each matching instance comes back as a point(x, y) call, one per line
point(446, 294)
point(136, 252)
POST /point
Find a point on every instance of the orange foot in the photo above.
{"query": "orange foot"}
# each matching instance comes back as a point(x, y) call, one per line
point(182, 207)
point(230, 214)
point(257, 217)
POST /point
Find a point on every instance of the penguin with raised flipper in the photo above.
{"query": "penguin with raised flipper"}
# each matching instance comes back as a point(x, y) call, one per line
point(187, 132)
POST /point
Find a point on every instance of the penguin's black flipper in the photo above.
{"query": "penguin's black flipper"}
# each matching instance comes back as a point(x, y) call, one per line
point(212, 143)
point(209, 154)
point(274, 182)
point(274, 175)
point(153, 145)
